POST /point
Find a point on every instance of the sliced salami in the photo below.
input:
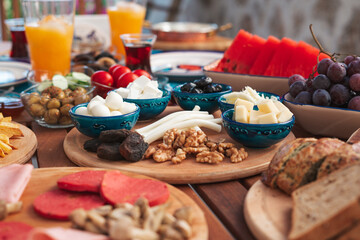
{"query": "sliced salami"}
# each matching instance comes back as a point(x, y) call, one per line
point(119, 188)
point(58, 204)
point(85, 181)
point(14, 230)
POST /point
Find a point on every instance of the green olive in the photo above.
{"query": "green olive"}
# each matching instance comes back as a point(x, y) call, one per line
point(37, 110)
point(44, 99)
point(33, 99)
point(65, 120)
point(52, 116)
point(81, 99)
point(53, 103)
point(67, 100)
point(64, 110)
point(67, 92)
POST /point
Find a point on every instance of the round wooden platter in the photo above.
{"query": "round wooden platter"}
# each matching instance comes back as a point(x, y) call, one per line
point(44, 179)
point(186, 172)
point(26, 146)
point(268, 212)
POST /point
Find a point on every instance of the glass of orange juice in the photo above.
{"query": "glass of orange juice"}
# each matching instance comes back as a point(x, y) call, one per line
point(125, 16)
point(49, 29)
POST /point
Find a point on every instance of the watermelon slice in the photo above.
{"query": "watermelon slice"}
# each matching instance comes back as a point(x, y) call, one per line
point(246, 59)
point(119, 188)
point(265, 55)
point(280, 60)
point(58, 204)
point(84, 181)
point(227, 63)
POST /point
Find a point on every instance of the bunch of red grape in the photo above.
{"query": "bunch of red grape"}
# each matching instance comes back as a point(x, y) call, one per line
point(337, 84)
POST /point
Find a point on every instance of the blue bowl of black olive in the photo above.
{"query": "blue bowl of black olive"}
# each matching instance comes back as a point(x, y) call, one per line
point(202, 92)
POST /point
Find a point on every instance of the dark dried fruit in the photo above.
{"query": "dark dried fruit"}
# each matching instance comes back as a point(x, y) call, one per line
point(118, 135)
point(109, 151)
point(92, 145)
point(133, 147)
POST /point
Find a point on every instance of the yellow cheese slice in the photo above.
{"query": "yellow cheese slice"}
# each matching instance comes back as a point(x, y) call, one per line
point(249, 105)
point(241, 114)
point(284, 116)
point(268, 106)
point(268, 118)
point(254, 115)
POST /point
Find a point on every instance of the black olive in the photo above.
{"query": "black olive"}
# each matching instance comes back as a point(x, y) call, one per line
point(209, 88)
point(187, 87)
point(217, 88)
point(196, 90)
point(202, 82)
point(104, 54)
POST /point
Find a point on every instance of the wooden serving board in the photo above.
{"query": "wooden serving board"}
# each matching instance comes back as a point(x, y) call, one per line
point(26, 146)
point(268, 212)
point(188, 171)
point(44, 179)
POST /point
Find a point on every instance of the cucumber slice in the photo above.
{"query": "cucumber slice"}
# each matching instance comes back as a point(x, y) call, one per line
point(44, 85)
point(60, 81)
point(81, 77)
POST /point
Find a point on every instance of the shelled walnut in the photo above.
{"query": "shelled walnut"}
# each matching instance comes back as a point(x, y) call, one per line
point(178, 144)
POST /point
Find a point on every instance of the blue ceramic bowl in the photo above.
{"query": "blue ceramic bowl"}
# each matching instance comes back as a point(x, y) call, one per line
point(256, 135)
point(223, 105)
point(149, 108)
point(206, 101)
point(92, 126)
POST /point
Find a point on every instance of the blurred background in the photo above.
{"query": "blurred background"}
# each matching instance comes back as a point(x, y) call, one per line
point(335, 22)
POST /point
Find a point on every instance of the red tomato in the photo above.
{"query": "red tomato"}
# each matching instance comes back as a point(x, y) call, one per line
point(113, 68)
point(102, 77)
point(120, 71)
point(141, 72)
point(125, 79)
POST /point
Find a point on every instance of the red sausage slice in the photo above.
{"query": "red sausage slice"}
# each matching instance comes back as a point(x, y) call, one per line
point(119, 188)
point(85, 181)
point(58, 204)
point(14, 230)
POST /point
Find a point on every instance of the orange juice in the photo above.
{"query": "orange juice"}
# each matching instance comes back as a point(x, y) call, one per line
point(125, 17)
point(50, 42)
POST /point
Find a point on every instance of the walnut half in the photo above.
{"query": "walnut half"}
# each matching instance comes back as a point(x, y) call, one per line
point(209, 157)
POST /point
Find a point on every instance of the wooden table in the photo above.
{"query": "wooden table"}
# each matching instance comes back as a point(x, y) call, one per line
point(221, 202)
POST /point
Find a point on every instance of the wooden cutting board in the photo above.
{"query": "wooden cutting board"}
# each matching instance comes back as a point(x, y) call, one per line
point(44, 179)
point(268, 212)
point(188, 171)
point(26, 146)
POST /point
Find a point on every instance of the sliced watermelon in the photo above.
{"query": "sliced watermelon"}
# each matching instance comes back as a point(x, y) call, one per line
point(263, 59)
point(280, 60)
point(246, 59)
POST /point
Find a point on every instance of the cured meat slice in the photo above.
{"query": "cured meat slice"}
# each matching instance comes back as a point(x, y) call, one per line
point(248, 55)
point(265, 55)
point(281, 58)
point(58, 204)
point(14, 230)
point(13, 180)
point(119, 188)
point(58, 233)
point(84, 181)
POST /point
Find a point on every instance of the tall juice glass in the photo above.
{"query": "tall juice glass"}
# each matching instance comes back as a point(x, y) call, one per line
point(125, 16)
point(49, 28)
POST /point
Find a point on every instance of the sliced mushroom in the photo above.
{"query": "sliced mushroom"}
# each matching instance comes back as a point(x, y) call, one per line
point(170, 233)
point(184, 213)
point(7, 208)
point(98, 220)
point(103, 210)
point(183, 227)
point(123, 230)
point(78, 217)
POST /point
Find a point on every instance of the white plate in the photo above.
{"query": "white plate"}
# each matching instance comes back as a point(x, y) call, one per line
point(277, 85)
point(179, 64)
point(13, 73)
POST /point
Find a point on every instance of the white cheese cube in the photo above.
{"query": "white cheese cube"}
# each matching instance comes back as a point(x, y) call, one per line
point(134, 93)
point(241, 114)
point(142, 81)
point(249, 105)
point(279, 105)
point(82, 111)
point(268, 106)
point(155, 84)
point(284, 116)
point(100, 110)
point(254, 115)
point(127, 107)
point(123, 92)
point(267, 118)
point(113, 100)
point(151, 92)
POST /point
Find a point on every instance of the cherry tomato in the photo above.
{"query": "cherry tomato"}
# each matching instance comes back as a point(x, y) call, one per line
point(141, 72)
point(102, 77)
point(125, 79)
point(113, 68)
point(120, 71)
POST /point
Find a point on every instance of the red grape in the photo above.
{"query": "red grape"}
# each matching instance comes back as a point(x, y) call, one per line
point(339, 94)
point(295, 78)
point(296, 88)
point(303, 97)
point(323, 65)
point(321, 81)
point(336, 72)
point(354, 67)
point(349, 59)
point(321, 97)
point(354, 103)
point(354, 82)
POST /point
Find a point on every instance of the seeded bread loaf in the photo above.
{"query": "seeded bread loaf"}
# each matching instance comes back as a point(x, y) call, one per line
point(327, 207)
